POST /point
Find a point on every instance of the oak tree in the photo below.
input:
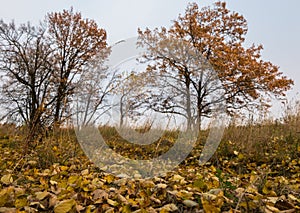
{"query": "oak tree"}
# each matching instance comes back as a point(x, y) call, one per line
point(76, 41)
point(199, 43)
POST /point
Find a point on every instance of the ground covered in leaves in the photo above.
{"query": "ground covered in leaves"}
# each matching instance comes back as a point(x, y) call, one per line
point(57, 177)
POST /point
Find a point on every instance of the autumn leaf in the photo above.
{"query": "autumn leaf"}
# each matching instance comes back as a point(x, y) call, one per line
point(42, 195)
point(7, 179)
point(5, 195)
point(64, 206)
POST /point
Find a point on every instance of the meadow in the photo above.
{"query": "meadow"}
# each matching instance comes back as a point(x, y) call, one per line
point(255, 169)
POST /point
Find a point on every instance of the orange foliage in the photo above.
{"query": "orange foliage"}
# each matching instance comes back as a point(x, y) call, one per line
point(219, 35)
point(77, 42)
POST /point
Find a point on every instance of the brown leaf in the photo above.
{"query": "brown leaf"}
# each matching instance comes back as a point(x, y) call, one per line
point(7, 210)
point(283, 205)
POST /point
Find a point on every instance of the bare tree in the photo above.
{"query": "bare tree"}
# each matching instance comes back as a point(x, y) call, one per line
point(26, 71)
point(129, 86)
point(94, 90)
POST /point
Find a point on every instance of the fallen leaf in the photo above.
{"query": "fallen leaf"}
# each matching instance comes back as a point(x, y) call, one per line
point(112, 203)
point(85, 172)
point(271, 209)
point(5, 195)
point(7, 210)
point(170, 207)
point(7, 179)
point(64, 206)
point(41, 195)
point(20, 202)
point(190, 203)
point(162, 186)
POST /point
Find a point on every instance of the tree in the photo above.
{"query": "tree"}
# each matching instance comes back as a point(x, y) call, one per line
point(26, 68)
point(95, 85)
point(42, 67)
point(199, 43)
point(129, 86)
point(76, 41)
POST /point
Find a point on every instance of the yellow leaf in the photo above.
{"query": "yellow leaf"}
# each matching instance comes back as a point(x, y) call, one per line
point(169, 208)
point(200, 184)
point(148, 184)
point(7, 179)
point(240, 156)
point(72, 179)
point(32, 162)
point(209, 207)
point(126, 209)
point(19, 203)
point(112, 203)
point(272, 200)
point(52, 182)
point(86, 189)
point(64, 206)
point(85, 172)
point(19, 192)
point(162, 186)
point(121, 198)
point(5, 195)
point(293, 198)
point(251, 189)
point(267, 189)
point(184, 194)
point(249, 204)
point(272, 209)
point(64, 168)
point(41, 195)
point(79, 208)
point(109, 178)
point(213, 200)
point(178, 178)
point(253, 178)
point(30, 178)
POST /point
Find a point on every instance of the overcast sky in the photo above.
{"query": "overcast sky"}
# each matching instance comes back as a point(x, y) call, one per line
point(273, 23)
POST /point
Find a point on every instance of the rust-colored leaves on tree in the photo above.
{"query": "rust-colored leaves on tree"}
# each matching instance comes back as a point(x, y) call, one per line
point(218, 35)
point(77, 41)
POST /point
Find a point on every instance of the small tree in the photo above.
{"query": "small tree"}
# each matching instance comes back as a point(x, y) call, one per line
point(130, 86)
point(212, 36)
point(75, 41)
point(96, 84)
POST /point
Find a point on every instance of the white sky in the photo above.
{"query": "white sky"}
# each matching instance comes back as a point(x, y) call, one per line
point(273, 23)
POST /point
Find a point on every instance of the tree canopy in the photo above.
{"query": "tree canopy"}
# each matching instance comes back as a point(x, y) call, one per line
point(214, 36)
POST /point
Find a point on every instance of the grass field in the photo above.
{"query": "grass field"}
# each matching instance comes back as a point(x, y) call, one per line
point(255, 169)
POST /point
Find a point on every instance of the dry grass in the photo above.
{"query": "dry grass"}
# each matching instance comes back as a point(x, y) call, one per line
point(256, 141)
